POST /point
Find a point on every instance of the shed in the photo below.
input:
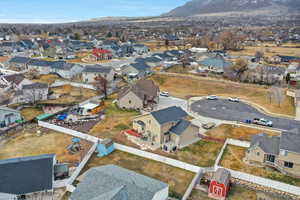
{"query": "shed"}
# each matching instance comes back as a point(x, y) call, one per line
point(219, 185)
point(105, 147)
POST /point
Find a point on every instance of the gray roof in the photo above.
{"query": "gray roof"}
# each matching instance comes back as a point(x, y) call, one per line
point(9, 109)
point(180, 127)
point(111, 182)
point(27, 174)
point(35, 86)
point(169, 114)
point(22, 60)
point(97, 69)
point(41, 63)
point(290, 142)
point(269, 144)
point(222, 176)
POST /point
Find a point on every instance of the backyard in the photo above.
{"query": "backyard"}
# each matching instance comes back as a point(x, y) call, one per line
point(31, 113)
point(37, 140)
point(48, 78)
point(70, 95)
point(225, 131)
point(189, 85)
point(177, 179)
point(233, 159)
point(236, 193)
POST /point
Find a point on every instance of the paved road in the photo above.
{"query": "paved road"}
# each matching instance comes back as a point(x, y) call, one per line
point(165, 102)
point(231, 111)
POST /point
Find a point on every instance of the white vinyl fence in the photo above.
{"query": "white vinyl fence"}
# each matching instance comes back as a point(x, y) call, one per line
point(74, 84)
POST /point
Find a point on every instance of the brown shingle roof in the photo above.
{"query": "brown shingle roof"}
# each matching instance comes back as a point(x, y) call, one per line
point(15, 78)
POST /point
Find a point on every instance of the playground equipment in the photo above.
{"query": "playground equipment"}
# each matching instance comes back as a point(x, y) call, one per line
point(75, 146)
point(105, 148)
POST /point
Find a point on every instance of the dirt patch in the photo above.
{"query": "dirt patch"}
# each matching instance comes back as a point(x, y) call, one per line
point(177, 179)
point(48, 78)
point(31, 113)
point(225, 131)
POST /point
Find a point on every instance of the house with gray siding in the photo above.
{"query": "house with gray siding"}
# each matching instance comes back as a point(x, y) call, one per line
point(31, 93)
point(66, 70)
point(90, 72)
point(111, 182)
point(8, 116)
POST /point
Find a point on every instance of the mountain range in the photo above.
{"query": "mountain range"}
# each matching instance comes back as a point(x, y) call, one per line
point(200, 7)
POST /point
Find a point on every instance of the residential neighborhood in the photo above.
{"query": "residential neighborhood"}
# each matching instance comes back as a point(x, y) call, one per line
point(172, 100)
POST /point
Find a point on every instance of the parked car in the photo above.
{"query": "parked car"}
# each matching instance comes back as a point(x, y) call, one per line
point(233, 99)
point(212, 97)
point(164, 94)
point(209, 125)
point(262, 122)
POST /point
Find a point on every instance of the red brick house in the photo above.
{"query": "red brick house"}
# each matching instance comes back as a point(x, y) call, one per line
point(219, 185)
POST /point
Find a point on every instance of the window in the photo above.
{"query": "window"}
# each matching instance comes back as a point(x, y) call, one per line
point(257, 153)
point(129, 101)
point(283, 152)
point(288, 164)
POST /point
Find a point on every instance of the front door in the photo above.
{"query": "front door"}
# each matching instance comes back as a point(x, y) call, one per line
point(217, 190)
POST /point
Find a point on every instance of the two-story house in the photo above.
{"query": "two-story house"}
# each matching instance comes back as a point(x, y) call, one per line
point(281, 152)
point(138, 96)
point(167, 126)
point(90, 73)
point(32, 93)
point(8, 116)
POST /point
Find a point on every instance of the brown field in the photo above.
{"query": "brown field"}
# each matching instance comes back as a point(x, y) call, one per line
point(236, 193)
point(28, 143)
point(225, 131)
point(233, 159)
point(188, 86)
point(48, 78)
point(177, 179)
point(31, 113)
point(70, 94)
point(270, 50)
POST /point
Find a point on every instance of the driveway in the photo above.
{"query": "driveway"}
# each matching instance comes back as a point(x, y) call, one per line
point(231, 111)
point(165, 102)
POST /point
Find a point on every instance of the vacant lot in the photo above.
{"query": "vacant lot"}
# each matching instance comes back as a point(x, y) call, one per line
point(233, 159)
point(225, 131)
point(70, 95)
point(177, 179)
point(31, 113)
point(236, 193)
point(188, 86)
point(269, 50)
point(29, 142)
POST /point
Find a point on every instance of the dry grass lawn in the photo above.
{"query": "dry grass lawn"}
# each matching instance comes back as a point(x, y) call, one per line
point(177, 179)
point(225, 131)
point(188, 86)
point(233, 159)
point(48, 78)
point(69, 94)
point(236, 193)
point(28, 143)
point(31, 113)
point(269, 50)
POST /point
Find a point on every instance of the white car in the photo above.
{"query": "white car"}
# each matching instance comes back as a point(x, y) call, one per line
point(212, 97)
point(262, 122)
point(233, 99)
point(164, 94)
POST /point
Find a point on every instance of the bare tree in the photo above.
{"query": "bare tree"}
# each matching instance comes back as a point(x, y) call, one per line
point(33, 74)
point(240, 67)
point(101, 85)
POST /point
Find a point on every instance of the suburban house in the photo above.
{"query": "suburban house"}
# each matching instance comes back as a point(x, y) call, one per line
point(90, 72)
point(8, 116)
point(15, 81)
point(19, 63)
point(294, 70)
point(219, 185)
point(42, 66)
point(140, 49)
point(168, 128)
point(66, 70)
point(102, 54)
point(216, 64)
point(151, 61)
point(141, 95)
point(281, 152)
point(111, 182)
point(137, 70)
point(32, 93)
point(27, 177)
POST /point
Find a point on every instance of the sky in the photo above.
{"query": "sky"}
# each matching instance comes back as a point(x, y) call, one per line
point(58, 11)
